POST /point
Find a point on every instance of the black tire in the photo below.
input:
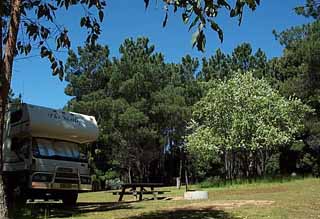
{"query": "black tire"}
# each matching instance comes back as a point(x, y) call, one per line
point(70, 198)
point(16, 193)
point(21, 200)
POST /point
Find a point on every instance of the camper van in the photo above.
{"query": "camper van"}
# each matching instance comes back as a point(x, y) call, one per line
point(42, 156)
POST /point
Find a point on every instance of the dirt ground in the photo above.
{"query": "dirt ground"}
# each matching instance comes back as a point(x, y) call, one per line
point(230, 204)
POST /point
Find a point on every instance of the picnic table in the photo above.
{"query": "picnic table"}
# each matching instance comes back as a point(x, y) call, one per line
point(145, 188)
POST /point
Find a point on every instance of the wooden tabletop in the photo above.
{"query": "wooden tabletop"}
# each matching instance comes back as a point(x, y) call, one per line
point(142, 185)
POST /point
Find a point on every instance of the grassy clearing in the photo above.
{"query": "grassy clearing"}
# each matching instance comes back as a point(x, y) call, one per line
point(214, 183)
point(295, 199)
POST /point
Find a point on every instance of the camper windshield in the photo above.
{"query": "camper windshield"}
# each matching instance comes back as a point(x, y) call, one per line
point(62, 150)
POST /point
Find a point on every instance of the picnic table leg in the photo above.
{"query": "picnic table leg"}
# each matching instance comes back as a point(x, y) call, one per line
point(154, 194)
point(141, 192)
point(122, 193)
point(135, 192)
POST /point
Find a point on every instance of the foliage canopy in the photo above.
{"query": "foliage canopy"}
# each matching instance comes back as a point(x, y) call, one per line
point(244, 115)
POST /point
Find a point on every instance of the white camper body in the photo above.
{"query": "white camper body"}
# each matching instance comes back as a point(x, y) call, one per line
point(41, 152)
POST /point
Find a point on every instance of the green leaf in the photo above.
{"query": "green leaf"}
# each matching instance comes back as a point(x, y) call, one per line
point(224, 3)
point(194, 38)
point(233, 13)
point(27, 49)
point(165, 20)
point(216, 28)
point(66, 4)
point(194, 22)
point(252, 4)
point(146, 3)
point(94, 38)
point(43, 51)
point(201, 41)
point(101, 15)
point(83, 21)
point(54, 65)
point(185, 18)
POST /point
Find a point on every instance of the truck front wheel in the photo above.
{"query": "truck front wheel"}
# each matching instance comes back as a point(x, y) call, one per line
point(70, 198)
point(16, 191)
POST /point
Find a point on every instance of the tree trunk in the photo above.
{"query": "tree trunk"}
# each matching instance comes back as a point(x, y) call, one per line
point(3, 196)
point(1, 40)
point(226, 166)
point(5, 77)
point(180, 175)
point(180, 170)
point(129, 175)
point(186, 178)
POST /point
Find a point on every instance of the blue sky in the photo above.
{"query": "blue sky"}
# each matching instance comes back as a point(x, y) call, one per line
point(127, 18)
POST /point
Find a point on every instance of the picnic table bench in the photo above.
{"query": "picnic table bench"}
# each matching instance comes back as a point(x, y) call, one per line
point(143, 190)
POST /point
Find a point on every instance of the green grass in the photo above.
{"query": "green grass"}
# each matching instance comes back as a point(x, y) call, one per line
point(291, 199)
point(213, 182)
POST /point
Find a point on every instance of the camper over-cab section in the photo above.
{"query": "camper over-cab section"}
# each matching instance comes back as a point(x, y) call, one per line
point(44, 122)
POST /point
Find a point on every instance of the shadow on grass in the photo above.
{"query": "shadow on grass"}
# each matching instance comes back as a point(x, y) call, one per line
point(203, 213)
point(58, 210)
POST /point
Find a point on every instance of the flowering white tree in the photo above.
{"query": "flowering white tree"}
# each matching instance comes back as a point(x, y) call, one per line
point(242, 121)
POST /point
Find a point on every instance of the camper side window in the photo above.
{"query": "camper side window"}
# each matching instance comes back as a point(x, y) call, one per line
point(21, 147)
point(15, 116)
